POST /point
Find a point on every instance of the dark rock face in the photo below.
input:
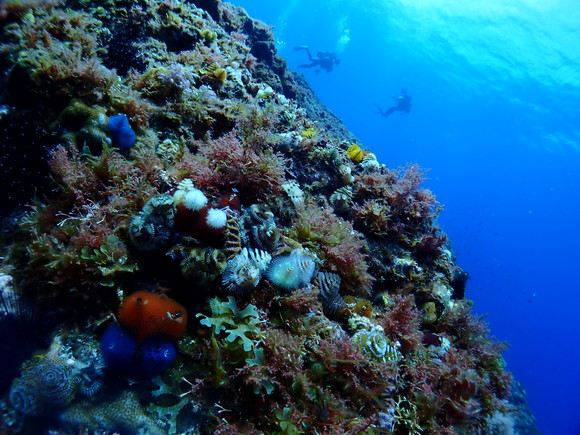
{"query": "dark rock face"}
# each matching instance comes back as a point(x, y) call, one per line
point(23, 169)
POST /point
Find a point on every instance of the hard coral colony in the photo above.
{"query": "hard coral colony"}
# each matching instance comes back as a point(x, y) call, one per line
point(325, 298)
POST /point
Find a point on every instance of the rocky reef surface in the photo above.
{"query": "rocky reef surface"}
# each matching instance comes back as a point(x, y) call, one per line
point(210, 250)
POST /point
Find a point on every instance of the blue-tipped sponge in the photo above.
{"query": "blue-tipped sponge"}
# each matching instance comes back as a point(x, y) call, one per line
point(118, 348)
point(124, 356)
point(120, 132)
point(155, 356)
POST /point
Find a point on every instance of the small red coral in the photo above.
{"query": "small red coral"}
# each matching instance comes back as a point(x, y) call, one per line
point(148, 314)
point(231, 200)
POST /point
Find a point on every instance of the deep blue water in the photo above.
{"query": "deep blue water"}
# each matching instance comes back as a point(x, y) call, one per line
point(496, 117)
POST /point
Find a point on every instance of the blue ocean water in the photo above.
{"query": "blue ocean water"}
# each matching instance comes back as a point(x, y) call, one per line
point(496, 117)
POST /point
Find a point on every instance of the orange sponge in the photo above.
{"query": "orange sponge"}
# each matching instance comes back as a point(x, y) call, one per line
point(148, 314)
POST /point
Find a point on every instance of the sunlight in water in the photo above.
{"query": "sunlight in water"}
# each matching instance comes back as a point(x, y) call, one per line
point(344, 33)
point(522, 40)
point(288, 11)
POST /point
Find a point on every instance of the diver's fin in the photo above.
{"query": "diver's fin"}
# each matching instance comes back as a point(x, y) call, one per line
point(389, 111)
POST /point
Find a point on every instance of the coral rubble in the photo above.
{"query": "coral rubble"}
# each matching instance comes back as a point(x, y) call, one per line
point(192, 172)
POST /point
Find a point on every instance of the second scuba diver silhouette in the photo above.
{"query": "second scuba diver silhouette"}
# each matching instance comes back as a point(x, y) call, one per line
point(403, 105)
point(324, 59)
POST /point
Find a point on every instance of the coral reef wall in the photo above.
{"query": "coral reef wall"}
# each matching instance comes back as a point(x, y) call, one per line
point(221, 253)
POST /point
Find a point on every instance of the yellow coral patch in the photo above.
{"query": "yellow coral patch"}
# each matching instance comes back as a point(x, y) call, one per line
point(309, 133)
point(216, 73)
point(355, 153)
point(208, 35)
point(221, 75)
point(429, 313)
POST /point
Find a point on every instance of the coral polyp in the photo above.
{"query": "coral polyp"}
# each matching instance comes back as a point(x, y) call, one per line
point(151, 229)
point(333, 305)
point(216, 220)
point(243, 272)
point(291, 271)
point(24, 398)
point(203, 265)
point(259, 228)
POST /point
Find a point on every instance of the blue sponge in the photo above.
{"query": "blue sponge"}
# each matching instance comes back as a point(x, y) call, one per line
point(155, 356)
point(120, 132)
point(122, 354)
point(118, 348)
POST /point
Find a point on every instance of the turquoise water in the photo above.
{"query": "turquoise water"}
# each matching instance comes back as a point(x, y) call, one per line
point(496, 116)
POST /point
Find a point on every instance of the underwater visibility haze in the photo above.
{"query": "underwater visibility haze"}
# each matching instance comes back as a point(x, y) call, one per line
point(347, 217)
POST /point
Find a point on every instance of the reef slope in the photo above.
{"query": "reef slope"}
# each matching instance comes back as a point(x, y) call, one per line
point(221, 253)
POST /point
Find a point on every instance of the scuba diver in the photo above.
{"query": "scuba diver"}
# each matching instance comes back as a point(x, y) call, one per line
point(403, 105)
point(324, 59)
